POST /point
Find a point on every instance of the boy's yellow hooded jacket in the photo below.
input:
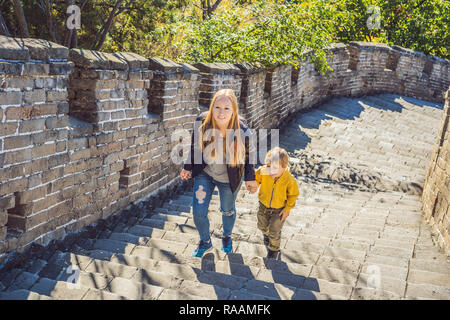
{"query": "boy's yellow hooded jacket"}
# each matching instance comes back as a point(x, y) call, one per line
point(279, 193)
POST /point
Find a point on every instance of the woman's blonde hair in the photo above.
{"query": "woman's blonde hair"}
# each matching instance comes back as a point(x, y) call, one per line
point(277, 154)
point(237, 146)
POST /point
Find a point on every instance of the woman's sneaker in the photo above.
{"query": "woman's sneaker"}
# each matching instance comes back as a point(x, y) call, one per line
point(227, 244)
point(202, 248)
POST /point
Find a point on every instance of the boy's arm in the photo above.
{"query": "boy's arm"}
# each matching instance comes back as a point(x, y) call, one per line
point(292, 194)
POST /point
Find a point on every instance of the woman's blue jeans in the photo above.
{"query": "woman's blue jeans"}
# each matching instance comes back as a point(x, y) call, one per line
point(204, 186)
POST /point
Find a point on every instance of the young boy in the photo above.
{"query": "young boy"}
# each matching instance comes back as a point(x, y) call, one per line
point(277, 195)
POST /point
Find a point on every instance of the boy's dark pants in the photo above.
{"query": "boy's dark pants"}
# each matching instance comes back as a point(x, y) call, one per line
point(270, 224)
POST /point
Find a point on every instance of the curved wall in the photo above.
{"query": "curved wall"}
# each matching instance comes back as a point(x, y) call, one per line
point(83, 134)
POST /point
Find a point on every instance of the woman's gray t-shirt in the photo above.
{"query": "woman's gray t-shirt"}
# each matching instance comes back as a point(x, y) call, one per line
point(218, 172)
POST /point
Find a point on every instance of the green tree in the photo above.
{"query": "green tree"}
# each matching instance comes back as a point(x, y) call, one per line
point(268, 32)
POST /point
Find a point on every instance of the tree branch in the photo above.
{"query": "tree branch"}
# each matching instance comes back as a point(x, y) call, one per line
point(18, 10)
point(215, 5)
point(48, 13)
point(3, 27)
point(101, 36)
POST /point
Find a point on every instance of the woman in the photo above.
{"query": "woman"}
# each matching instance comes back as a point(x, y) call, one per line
point(210, 168)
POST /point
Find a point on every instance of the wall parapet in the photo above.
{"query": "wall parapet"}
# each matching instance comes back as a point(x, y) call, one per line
point(436, 191)
point(83, 133)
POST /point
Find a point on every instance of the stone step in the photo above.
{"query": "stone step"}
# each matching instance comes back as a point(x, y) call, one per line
point(427, 265)
point(282, 277)
point(23, 294)
point(428, 277)
point(427, 291)
point(379, 251)
point(61, 290)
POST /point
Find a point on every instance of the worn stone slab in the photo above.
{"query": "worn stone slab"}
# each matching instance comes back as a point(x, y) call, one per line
point(170, 294)
point(44, 50)
point(426, 291)
point(134, 261)
point(391, 252)
point(304, 247)
point(145, 231)
point(167, 245)
point(236, 269)
point(385, 270)
point(134, 290)
point(205, 290)
point(343, 253)
point(111, 269)
point(90, 59)
point(348, 244)
point(321, 240)
point(178, 270)
point(244, 294)
point(129, 238)
point(187, 238)
point(86, 279)
point(113, 246)
point(384, 283)
point(94, 294)
point(24, 281)
point(59, 290)
point(372, 294)
point(334, 275)
point(327, 287)
point(23, 294)
point(159, 224)
point(302, 294)
point(13, 49)
point(155, 278)
point(343, 264)
point(433, 256)
point(427, 265)
point(274, 290)
point(284, 278)
point(392, 261)
point(155, 254)
point(427, 277)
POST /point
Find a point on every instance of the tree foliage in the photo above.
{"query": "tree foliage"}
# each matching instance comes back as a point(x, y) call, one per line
point(421, 25)
point(271, 32)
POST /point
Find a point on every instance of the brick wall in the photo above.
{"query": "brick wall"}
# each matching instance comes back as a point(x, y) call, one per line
point(436, 191)
point(83, 134)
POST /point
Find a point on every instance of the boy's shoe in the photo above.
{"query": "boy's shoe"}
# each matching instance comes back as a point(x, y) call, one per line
point(227, 244)
point(266, 240)
point(202, 248)
point(272, 254)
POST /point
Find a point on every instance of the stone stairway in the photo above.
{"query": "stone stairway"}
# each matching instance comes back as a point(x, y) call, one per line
point(343, 240)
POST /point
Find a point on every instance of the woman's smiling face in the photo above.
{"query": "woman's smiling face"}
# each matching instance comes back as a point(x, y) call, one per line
point(222, 111)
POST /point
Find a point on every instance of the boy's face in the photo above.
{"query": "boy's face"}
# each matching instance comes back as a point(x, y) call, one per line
point(275, 169)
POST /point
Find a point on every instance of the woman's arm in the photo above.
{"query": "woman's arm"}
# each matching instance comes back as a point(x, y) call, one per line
point(249, 170)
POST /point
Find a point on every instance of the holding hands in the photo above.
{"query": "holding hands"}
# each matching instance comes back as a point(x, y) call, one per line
point(185, 174)
point(251, 186)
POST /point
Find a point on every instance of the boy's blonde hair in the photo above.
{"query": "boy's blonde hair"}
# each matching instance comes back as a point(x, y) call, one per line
point(277, 154)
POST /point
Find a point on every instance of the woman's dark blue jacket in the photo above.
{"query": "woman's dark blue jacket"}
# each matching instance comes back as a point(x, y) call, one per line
point(234, 173)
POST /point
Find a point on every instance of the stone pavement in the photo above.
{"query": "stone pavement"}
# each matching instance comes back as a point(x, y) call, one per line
point(356, 232)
